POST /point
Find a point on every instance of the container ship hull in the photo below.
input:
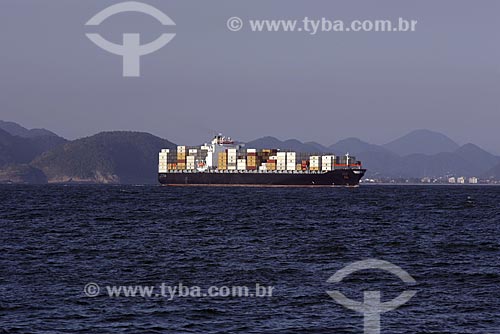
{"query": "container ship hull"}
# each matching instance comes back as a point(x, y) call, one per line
point(337, 177)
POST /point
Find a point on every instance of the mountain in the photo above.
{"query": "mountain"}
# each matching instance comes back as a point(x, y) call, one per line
point(468, 160)
point(420, 156)
point(317, 147)
point(15, 149)
point(493, 173)
point(21, 173)
point(422, 142)
point(20, 145)
point(355, 146)
point(290, 144)
point(476, 157)
point(20, 131)
point(107, 157)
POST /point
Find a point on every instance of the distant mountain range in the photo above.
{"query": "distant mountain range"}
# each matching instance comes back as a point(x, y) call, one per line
point(17, 130)
point(40, 156)
point(18, 147)
point(418, 154)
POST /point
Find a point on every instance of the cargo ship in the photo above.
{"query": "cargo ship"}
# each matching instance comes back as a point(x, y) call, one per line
point(222, 162)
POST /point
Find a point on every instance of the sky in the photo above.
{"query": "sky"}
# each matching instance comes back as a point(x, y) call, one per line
point(376, 86)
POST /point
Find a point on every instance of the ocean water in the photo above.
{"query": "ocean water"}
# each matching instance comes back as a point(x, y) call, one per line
point(54, 240)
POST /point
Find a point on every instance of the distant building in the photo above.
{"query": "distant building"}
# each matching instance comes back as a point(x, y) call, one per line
point(461, 180)
point(473, 180)
point(426, 180)
point(452, 180)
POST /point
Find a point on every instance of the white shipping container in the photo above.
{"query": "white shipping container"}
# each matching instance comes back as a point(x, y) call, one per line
point(251, 150)
point(281, 154)
point(193, 151)
point(181, 149)
point(327, 159)
point(165, 150)
point(231, 167)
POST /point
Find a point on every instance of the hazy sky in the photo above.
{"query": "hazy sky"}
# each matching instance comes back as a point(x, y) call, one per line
point(375, 86)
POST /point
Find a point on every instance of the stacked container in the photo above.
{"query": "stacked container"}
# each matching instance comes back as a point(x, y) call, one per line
point(271, 164)
point(222, 161)
point(241, 164)
point(343, 161)
point(190, 163)
point(252, 162)
point(291, 158)
point(181, 157)
point(163, 161)
point(327, 162)
point(231, 159)
point(304, 164)
point(266, 154)
point(314, 162)
point(281, 161)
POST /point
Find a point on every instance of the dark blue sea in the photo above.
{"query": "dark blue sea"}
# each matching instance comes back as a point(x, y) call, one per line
point(55, 240)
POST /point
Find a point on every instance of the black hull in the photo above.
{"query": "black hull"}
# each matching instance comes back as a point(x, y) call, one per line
point(338, 177)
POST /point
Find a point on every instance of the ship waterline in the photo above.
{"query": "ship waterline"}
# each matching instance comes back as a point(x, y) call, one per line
point(339, 177)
